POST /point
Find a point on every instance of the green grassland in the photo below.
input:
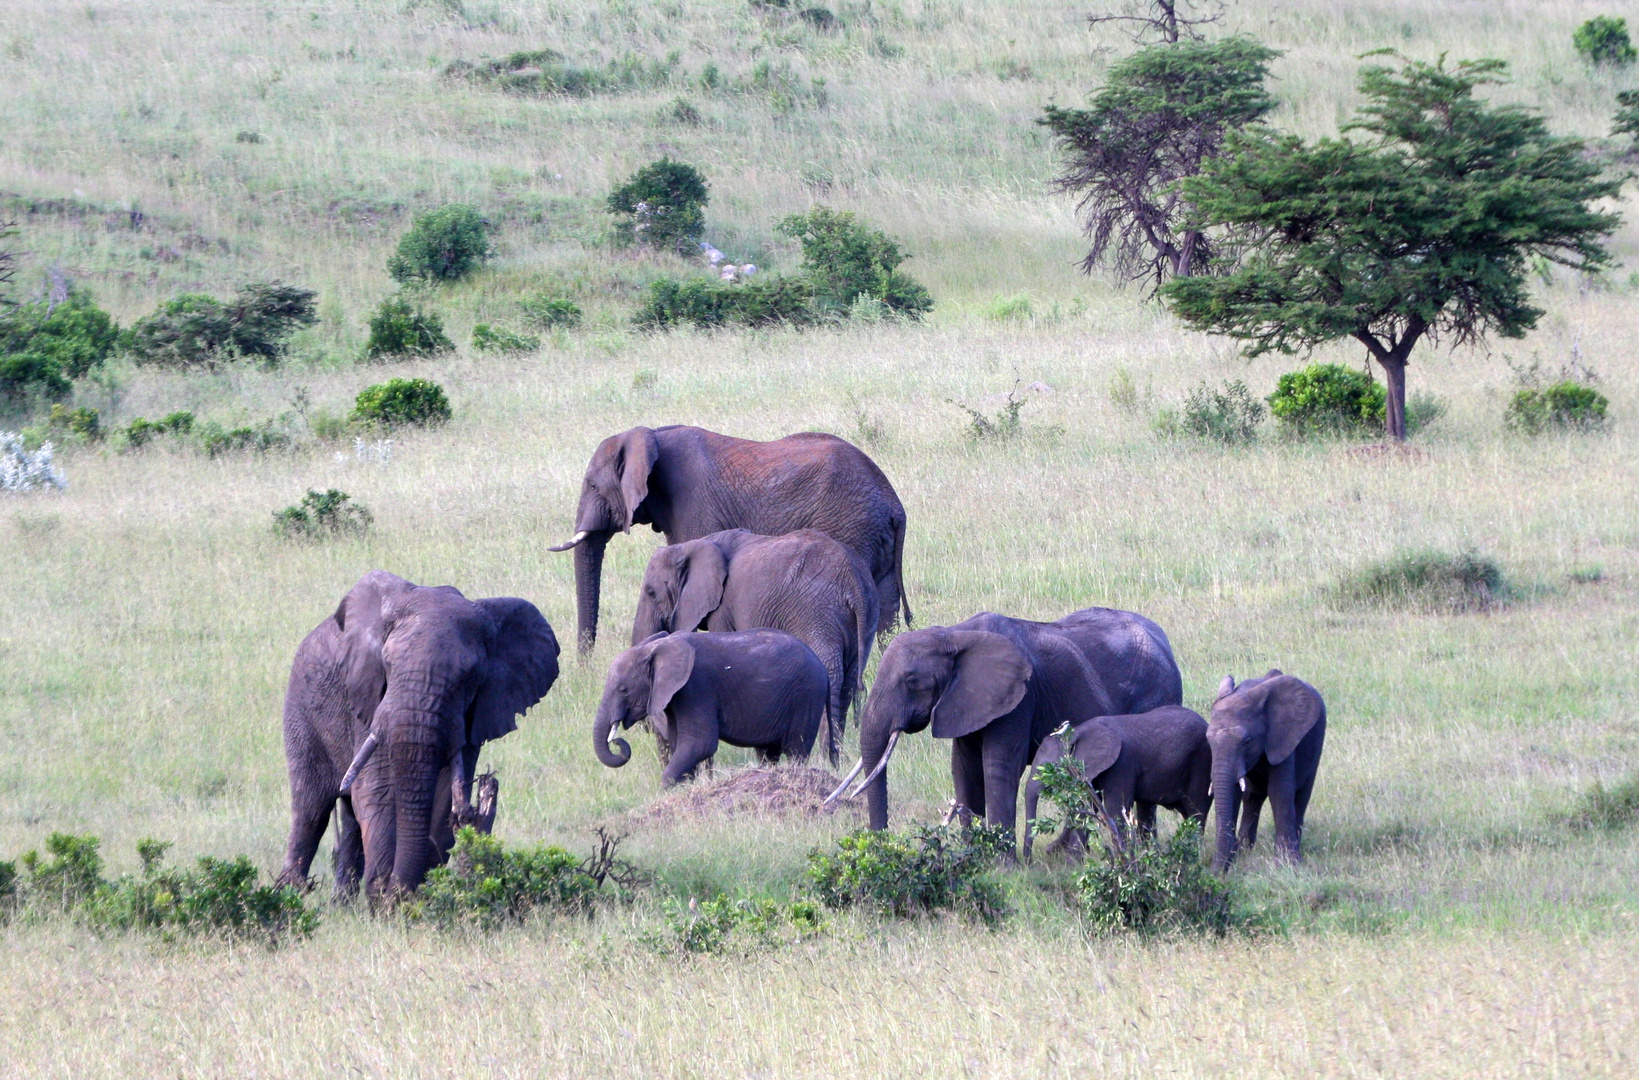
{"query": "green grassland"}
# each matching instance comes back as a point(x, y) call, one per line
point(1443, 924)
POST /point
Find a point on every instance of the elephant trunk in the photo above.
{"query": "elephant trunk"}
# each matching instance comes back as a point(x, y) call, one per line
point(1226, 805)
point(873, 745)
point(601, 730)
point(647, 622)
point(418, 755)
point(588, 587)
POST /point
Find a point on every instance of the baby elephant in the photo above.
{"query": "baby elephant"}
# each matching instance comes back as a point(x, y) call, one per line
point(1158, 758)
point(1266, 737)
point(760, 688)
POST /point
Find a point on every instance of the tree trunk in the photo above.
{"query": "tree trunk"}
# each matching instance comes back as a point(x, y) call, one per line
point(1394, 414)
point(1185, 263)
point(1226, 805)
point(588, 587)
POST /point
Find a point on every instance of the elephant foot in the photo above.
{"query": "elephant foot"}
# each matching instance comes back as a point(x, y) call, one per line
point(289, 879)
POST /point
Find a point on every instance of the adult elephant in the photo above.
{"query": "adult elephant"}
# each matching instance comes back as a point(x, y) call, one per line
point(430, 676)
point(687, 482)
point(997, 686)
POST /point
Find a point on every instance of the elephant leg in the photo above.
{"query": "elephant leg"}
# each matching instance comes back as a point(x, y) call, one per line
point(1283, 805)
point(770, 754)
point(378, 827)
point(968, 777)
point(1144, 815)
point(347, 861)
point(1005, 760)
point(693, 749)
point(310, 807)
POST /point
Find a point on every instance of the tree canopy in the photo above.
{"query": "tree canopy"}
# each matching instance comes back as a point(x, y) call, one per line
point(1423, 229)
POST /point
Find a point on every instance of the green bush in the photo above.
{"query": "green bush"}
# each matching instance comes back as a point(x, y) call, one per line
point(543, 72)
point(217, 440)
point(195, 330)
point(399, 329)
point(45, 345)
point(932, 869)
point(709, 302)
point(139, 432)
point(551, 312)
point(402, 403)
point(1603, 39)
point(1602, 807)
point(1429, 580)
point(82, 424)
point(445, 244)
point(1230, 415)
point(1328, 399)
point(489, 338)
point(662, 206)
point(1564, 406)
point(321, 514)
point(843, 258)
point(486, 885)
point(731, 924)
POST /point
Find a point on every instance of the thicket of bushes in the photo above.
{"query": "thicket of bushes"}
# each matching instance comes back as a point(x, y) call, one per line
point(44, 346)
point(197, 331)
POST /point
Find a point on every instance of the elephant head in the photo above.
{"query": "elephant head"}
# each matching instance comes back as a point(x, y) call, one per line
point(683, 584)
point(642, 682)
point(612, 500)
point(1259, 719)
point(434, 674)
point(1093, 743)
point(956, 680)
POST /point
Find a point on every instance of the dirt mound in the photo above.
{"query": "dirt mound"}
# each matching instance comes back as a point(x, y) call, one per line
point(764, 791)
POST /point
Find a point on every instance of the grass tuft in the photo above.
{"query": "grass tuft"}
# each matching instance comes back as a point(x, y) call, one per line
point(1428, 581)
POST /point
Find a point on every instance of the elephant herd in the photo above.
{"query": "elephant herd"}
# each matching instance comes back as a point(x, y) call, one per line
point(790, 554)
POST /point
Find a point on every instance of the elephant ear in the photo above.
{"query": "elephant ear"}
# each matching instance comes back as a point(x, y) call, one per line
point(1097, 747)
point(634, 459)
point(363, 621)
point(704, 572)
point(1291, 708)
point(988, 679)
point(673, 661)
point(521, 667)
point(1226, 687)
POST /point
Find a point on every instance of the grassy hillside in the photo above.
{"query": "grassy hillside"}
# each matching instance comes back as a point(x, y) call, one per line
point(1446, 924)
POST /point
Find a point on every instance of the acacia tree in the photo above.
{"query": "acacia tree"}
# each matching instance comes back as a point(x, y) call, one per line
point(1425, 229)
point(1162, 114)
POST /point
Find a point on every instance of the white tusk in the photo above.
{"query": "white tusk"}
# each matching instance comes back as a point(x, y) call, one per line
point(893, 741)
point(567, 544)
point(366, 748)
point(846, 780)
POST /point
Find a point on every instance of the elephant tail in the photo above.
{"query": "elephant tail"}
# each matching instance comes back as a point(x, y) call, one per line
point(899, 574)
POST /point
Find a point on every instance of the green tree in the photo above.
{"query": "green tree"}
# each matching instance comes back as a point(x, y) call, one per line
point(1603, 39)
point(662, 205)
point(843, 258)
point(1424, 229)
point(445, 244)
point(1162, 113)
point(46, 344)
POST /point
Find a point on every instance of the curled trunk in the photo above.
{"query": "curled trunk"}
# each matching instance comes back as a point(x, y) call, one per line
point(588, 587)
point(601, 730)
point(1226, 805)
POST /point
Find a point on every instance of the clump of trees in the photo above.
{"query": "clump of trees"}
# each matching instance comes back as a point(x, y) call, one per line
point(197, 331)
point(45, 344)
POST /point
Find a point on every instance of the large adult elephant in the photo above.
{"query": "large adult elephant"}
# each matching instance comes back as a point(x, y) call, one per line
point(687, 482)
point(425, 674)
point(997, 686)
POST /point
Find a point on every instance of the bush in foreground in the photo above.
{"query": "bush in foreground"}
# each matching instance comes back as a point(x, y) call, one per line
point(1328, 399)
point(925, 872)
point(400, 330)
point(484, 885)
point(322, 514)
point(402, 403)
point(1429, 581)
point(445, 244)
point(708, 303)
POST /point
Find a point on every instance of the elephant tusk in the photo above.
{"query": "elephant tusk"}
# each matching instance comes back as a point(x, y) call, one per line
point(893, 741)
point(846, 780)
point(571, 542)
point(366, 748)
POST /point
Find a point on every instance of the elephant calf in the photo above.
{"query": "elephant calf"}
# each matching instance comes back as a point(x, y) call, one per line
point(805, 583)
point(759, 688)
point(1134, 763)
point(1266, 734)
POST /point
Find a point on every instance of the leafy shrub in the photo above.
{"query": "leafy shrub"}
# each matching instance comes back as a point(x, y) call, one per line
point(82, 423)
point(1429, 580)
point(486, 885)
point(1603, 39)
point(320, 514)
point(400, 329)
point(139, 432)
point(22, 469)
point(843, 258)
point(543, 72)
point(1602, 807)
point(930, 870)
point(217, 440)
point(733, 924)
point(195, 330)
point(709, 302)
point(69, 878)
point(402, 403)
point(46, 344)
point(1328, 399)
point(1230, 415)
point(490, 338)
point(662, 205)
point(551, 312)
point(445, 244)
point(1564, 406)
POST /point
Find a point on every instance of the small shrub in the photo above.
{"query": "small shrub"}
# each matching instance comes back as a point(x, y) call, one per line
point(1603, 39)
point(1328, 399)
point(1230, 416)
point(730, 924)
point(445, 244)
point(842, 258)
point(1429, 580)
point(682, 111)
point(321, 514)
point(709, 302)
point(544, 72)
point(1004, 428)
point(662, 206)
point(1564, 406)
point(139, 432)
point(83, 424)
point(1602, 807)
point(486, 885)
point(194, 330)
point(46, 344)
point(71, 875)
point(551, 312)
point(1423, 410)
point(490, 338)
point(399, 329)
point(1008, 308)
point(930, 870)
point(22, 469)
point(217, 440)
point(402, 403)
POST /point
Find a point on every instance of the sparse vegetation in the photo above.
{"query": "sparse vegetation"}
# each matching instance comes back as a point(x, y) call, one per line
point(322, 514)
point(140, 432)
point(1230, 415)
point(1429, 581)
point(1601, 807)
point(544, 71)
point(923, 872)
point(487, 337)
point(551, 312)
point(735, 925)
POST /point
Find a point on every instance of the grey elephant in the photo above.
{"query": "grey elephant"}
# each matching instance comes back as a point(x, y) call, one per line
point(1134, 764)
point(687, 482)
point(429, 677)
point(996, 686)
point(805, 583)
point(756, 688)
point(1266, 736)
